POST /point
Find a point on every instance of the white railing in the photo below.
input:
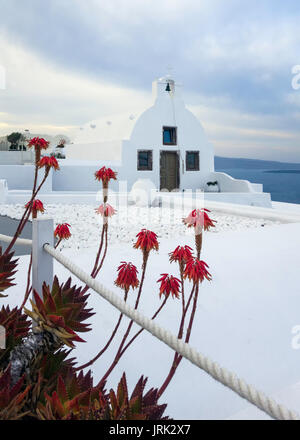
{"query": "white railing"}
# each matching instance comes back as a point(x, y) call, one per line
point(43, 254)
point(20, 241)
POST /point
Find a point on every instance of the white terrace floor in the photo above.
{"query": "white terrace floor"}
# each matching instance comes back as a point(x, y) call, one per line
point(244, 320)
point(123, 227)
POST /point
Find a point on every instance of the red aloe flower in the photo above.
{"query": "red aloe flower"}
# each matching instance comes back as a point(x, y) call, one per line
point(48, 162)
point(37, 205)
point(105, 174)
point(169, 284)
point(199, 219)
point(146, 241)
point(38, 143)
point(196, 270)
point(109, 210)
point(181, 254)
point(127, 276)
point(62, 231)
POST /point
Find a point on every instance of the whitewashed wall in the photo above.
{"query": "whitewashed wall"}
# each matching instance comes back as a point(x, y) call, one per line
point(20, 177)
point(229, 184)
point(78, 178)
point(15, 157)
point(82, 178)
point(94, 151)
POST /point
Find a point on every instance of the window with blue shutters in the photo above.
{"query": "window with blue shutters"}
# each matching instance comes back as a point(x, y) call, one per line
point(169, 135)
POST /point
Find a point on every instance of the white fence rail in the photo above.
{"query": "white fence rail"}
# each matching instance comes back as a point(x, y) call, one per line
point(20, 241)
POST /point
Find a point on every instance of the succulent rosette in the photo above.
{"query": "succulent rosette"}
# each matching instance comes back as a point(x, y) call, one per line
point(61, 311)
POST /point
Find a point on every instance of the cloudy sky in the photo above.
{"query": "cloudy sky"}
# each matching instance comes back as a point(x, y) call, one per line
point(70, 61)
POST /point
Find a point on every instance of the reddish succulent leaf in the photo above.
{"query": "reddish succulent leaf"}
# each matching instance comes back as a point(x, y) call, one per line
point(7, 271)
point(77, 399)
point(57, 320)
point(11, 399)
point(63, 309)
point(16, 326)
point(39, 302)
point(61, 389)
point(50, 304)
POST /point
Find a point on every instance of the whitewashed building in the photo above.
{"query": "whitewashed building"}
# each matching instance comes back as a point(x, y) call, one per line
point(164, 148)
point(165, 144)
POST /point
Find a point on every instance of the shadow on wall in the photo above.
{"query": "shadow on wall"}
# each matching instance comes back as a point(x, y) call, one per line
point(8, 226)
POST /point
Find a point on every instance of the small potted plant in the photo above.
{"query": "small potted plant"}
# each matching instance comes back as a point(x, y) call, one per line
point(212, 186)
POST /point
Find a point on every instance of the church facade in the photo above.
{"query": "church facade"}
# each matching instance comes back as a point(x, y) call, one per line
point(168, 144)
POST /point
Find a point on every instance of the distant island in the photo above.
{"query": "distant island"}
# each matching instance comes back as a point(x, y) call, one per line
point(283, 171)
point(223, 163)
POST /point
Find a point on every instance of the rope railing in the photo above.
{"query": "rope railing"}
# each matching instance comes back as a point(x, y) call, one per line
point(222, 375)
point(19, 241)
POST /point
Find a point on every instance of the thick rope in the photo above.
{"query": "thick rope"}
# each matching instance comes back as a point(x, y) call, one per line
point(19, 241)
point(226, 377)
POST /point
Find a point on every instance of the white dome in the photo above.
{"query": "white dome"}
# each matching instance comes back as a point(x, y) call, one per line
point(122, 136)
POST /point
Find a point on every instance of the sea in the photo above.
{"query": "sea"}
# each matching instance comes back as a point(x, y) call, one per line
point(282, 184)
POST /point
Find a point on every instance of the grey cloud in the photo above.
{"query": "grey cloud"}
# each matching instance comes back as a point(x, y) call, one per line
point(241, 50)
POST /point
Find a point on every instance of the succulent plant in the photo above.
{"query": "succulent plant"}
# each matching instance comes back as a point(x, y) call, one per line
point(76, 399)
point(73, 398)
point(12, 398)
point(61, 311)
point(7, 270)
point(138, 406)
point(16, 326)
point(45, 378)
point(56, 363)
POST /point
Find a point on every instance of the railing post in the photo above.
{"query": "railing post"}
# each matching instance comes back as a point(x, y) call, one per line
point(42, 262)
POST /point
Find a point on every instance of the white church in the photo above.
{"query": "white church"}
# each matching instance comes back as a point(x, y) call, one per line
point(164, 149)
point(167, 145)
